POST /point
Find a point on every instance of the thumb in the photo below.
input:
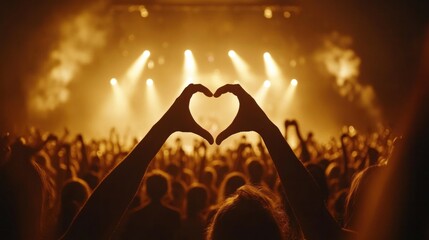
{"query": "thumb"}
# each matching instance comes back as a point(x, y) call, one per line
point(230, 130)
point(203, 133)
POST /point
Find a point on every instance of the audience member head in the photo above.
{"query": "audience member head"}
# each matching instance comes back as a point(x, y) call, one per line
point(157, 185)
point(178, 192)
point(359, 190)
point(255, 169)
point(248, 214)
point(196, 200)
point(230, 184)
point(208, 177)
point(74, 194)
point(173, 170)
point(75, 190)
point(221, 170)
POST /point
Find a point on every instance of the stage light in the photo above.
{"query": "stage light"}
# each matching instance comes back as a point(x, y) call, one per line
point(267, 83)
point(294, 82)
point(267, 55)
point(232, 53)
point(143, 12)
point(113, 82)
point(149, 82)
point(146, 53)
point(190, 64)
point(268, 13)
point(287, 14)
point(189, 69)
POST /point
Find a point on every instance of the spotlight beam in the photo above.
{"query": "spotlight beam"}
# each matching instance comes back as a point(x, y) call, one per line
point(272, 69)
point(189, 69)
point(134, 73)
point(240, 66)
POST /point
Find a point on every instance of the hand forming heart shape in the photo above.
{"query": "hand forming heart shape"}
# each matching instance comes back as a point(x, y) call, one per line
point(250, 117)
point(214, 114)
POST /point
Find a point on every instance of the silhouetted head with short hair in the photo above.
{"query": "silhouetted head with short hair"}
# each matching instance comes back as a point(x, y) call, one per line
point(255, 168)
point(156, 185)
point(249, 214)
point(196, 200)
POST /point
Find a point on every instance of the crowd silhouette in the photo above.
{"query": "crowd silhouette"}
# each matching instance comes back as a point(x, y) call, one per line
point(64, 187)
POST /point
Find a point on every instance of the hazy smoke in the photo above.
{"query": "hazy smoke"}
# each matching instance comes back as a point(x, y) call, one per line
point(80, 37)
point(340, 61)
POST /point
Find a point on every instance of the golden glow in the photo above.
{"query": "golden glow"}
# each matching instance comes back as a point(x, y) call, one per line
point(150, 64)
point(294, 82)
point(267, 55)
point(232, 54)
point(188, 53)
point(113, 82)
point(143, 11)
point(146, 53)
point(287, 14)
point(149, 82)
point(268, 13)
point(267, 83)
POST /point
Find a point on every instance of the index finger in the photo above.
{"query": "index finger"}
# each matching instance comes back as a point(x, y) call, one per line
point(228, 88)
point(194, 88)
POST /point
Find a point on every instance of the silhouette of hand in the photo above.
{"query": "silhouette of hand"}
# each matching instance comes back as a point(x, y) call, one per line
point(250, 117)
point(179, 118)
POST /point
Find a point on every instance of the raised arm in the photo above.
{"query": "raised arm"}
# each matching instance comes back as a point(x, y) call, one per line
point(104, 209)
point(305, 154)
point(301, 190)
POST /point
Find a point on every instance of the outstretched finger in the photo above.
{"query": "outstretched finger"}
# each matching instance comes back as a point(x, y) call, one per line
point(194, 88)
point(227, 88)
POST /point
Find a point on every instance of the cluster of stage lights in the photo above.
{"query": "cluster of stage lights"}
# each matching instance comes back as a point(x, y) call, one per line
point(241, 66)
point(268, 12)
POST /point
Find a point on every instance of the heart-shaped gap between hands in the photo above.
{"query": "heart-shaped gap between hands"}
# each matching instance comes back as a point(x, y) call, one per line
point(214, 114)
